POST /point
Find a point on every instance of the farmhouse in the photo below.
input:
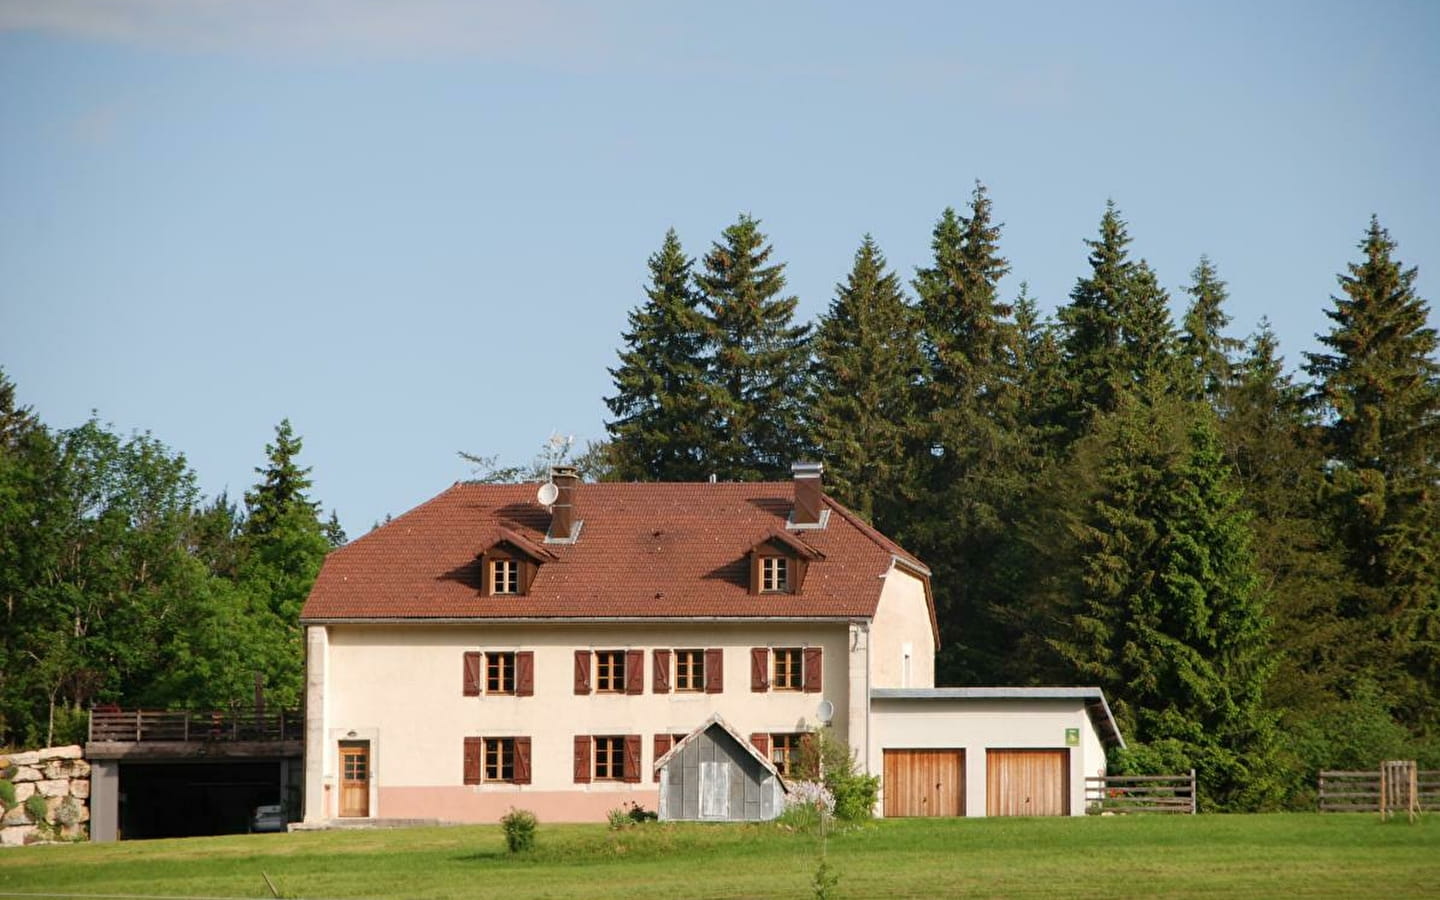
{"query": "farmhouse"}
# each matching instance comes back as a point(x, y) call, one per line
point(501, 646)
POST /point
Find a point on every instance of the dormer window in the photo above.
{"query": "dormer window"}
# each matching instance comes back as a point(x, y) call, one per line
point(504, 576)
point(778, 564)
point(774, 574)
point(509, 564)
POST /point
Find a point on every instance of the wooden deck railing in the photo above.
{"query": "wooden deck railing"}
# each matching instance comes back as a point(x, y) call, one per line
point(137, 725)
point(1360, 791)
point(1141, 793)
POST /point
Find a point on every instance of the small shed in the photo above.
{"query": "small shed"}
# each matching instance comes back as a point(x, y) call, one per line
point(714, 775)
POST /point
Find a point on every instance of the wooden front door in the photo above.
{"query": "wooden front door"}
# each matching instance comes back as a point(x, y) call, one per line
point(924, 783)
point(1027, 783)
point(355, 779)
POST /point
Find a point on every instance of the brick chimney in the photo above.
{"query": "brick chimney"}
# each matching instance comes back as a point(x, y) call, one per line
point(808, 491)
point(563, 515)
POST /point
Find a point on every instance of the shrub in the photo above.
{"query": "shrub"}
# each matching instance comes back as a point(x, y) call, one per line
point(519, 826)
point(619, 817)
point(7, 795)
point(807, 806)
point(855, 796)
point(36, 808)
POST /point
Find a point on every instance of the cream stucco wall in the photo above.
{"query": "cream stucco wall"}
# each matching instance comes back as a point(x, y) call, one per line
point(978, 725)
point(903, 643)
point(400, 688)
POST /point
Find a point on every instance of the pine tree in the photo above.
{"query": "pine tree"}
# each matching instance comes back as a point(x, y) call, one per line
point(758, 358)
point(660, 432)
point(1203, 344)
point(1379, 389)
point(867, 358)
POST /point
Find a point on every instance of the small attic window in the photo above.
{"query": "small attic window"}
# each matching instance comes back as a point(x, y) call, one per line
point(779, 562)
point(774, 575)
point(504, 576)
point(508, 565)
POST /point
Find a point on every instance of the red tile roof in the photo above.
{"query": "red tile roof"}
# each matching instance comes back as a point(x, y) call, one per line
point(659, 550)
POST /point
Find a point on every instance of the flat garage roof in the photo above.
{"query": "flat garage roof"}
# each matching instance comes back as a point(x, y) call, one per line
point(1093, 698)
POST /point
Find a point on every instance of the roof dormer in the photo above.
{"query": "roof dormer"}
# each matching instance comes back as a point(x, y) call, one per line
point(778, 564)
point(509, 564)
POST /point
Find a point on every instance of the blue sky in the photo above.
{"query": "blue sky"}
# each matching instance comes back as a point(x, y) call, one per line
point(417, 227)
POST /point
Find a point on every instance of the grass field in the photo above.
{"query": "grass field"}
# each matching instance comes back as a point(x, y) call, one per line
point(1182, 856)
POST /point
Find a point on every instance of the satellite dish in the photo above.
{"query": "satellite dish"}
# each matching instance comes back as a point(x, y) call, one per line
point(825, 712)
point(548, 494)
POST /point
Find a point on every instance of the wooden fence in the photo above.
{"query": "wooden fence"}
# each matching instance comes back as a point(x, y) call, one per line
point(1141, 793)
point(1360, 791)
point(135, 725)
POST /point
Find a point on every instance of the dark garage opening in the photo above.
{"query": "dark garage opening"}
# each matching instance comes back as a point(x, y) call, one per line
point(185, 799)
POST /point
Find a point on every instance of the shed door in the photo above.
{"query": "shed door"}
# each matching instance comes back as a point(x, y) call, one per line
point(1027, 783)
point(714, 790)
point(355, 779)
point(924, 783)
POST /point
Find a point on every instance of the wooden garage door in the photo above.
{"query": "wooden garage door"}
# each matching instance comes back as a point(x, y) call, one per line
point(1027, 782)
point(924, 783)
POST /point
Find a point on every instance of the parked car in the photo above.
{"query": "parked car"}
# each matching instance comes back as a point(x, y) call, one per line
point(270, 817)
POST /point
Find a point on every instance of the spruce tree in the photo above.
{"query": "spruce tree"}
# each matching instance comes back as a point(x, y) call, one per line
point(1165, 609)
point(1202, 342)
point(285, 484)
point(1117, 328)
point(867, 358)
point(1378, 384)
point(978, 466)
point(757, 361)
point(660, 431)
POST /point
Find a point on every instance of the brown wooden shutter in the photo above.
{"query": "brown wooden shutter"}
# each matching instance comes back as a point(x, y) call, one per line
point(522, 760)
point(754, 571)
point(487, 575)
point(632, 758)
point(527, 575)
point(472, 673)
point(582, 759)
point(525, 674)
point(759, 669)
point(661, 680)
point(714, 670)
point(663, 743)
point(582, 671)
point(634, 671)
point(761, 742)
point(474, 752)
point(812, 670)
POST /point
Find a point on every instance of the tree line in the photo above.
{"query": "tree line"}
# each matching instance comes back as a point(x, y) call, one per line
point(119, 584)
point(1243, 558)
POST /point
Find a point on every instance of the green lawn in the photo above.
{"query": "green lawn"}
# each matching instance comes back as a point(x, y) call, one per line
point(1201, 856)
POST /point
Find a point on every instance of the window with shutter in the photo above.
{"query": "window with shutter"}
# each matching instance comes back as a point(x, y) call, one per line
point(663, 743)
point(785, 751)
point(631, 771)
point(761, 741)
point(788, 672)
point(609, 758)
point(525, 673)
point(582, 759)
point(472, 674)
point(474, 749)
point(714, 671)
point(582, 671)
point(689, 670)
point(661, 681)
point(522, 760)
point(634, 671)
point(499, 673)
point(812, 670)
point(759, 669)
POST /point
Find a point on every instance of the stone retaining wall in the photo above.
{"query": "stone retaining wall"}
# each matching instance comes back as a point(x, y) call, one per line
point(60, 776)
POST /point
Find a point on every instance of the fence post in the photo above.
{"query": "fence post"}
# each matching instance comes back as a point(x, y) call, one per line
point(1194, 799)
